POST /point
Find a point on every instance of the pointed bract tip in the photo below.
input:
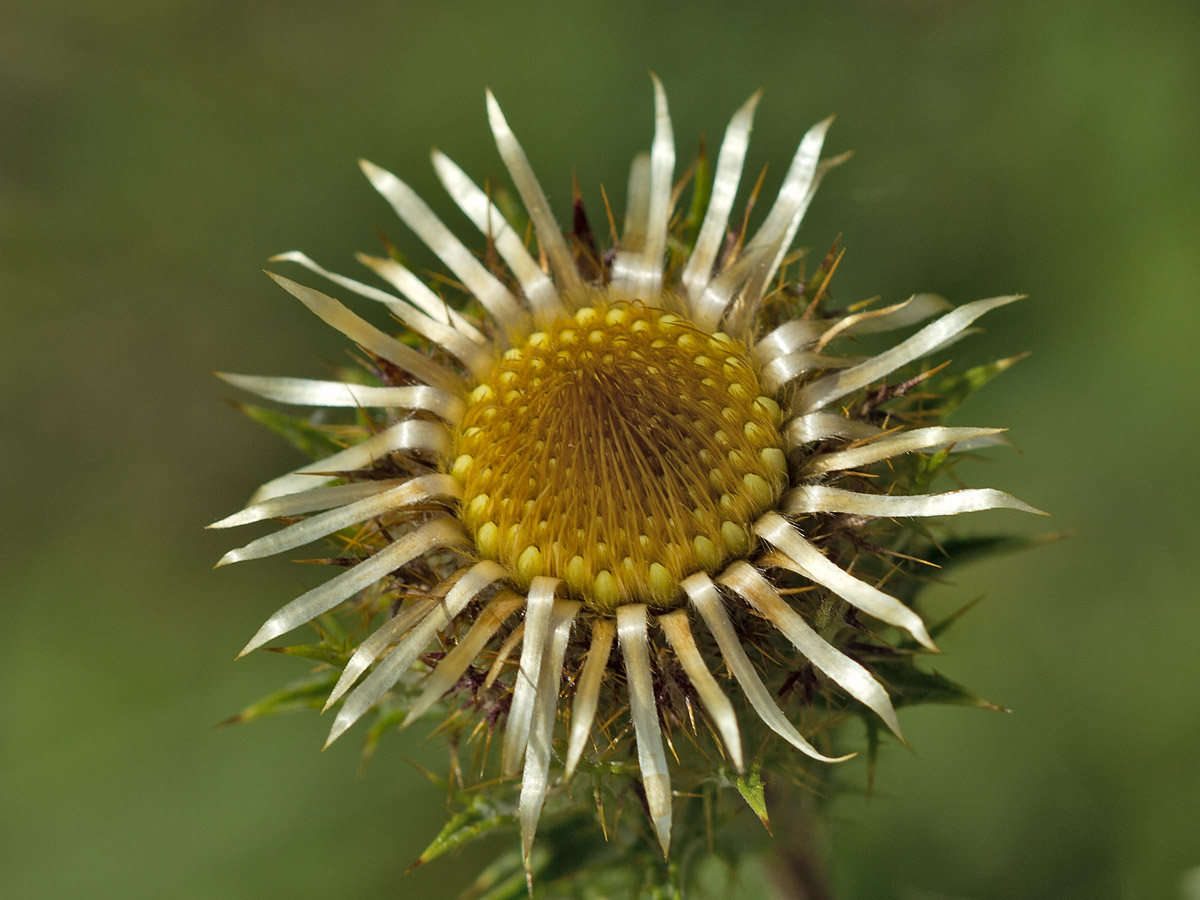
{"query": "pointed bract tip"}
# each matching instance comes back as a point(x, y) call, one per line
point(238, 381)
point(373, 172)
point(750, 105)
point(997, 302)
point(889, 719)
point(280, 280)
point(230, 557)
point(496, 119)
point(818, 131)
point(662, 830)
point(260, 638)
point(338, 729)
point(228, 521)
point(925, 640)
point(495, 115)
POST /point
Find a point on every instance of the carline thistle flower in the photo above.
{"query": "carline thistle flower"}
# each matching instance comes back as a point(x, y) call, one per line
point(611, 462)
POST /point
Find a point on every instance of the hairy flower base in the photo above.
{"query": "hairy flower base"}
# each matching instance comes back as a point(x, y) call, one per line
point(587, 461)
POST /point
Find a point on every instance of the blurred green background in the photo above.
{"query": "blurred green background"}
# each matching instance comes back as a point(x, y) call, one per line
point(154, 154)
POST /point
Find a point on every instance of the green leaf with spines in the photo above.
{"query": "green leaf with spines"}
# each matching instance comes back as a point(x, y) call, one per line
point(952, 391)
point(311, 440)
point(325, 653)
point(946, 554)
point(928, 467)
point(911, 686)
point(304, 694)
point(750, 786)
point(959, 551)
point(942, 625)
point(481, 816)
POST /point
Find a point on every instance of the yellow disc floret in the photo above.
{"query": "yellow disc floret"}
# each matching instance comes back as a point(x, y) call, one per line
point(621, 450)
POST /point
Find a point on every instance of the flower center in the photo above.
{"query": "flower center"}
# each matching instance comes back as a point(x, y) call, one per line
point(620, 450)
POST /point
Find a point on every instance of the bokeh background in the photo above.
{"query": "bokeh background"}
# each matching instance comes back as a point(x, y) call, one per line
point(154, 154)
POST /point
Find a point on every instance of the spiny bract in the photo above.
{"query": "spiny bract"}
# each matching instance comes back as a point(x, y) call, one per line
point(611, 445)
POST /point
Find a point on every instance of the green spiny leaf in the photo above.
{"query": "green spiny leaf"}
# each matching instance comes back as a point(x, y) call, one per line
point(942, 625)
point(928, 468)
point(948, 554)
point(320, 652)
point(965, 550)
point(310, 439)
point(911, 686)
point(307, 693)
point(954, 390)
point(750, 786)
point(479, 818)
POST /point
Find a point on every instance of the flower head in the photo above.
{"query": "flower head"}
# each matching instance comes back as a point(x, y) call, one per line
point(607, 461)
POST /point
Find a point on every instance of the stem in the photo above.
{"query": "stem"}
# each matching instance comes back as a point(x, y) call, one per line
point(798, 873)
point(797, 867)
